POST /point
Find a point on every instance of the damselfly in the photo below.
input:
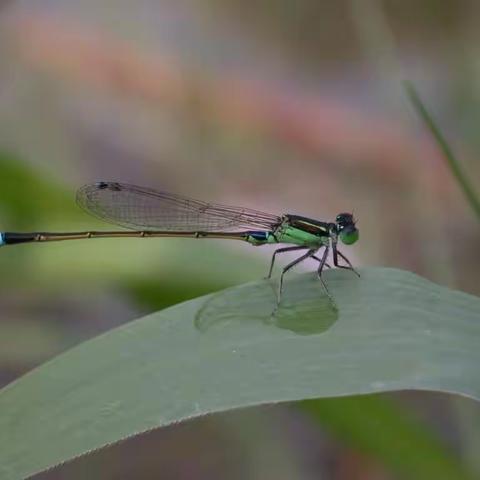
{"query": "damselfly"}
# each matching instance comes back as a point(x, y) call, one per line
point(150, 214)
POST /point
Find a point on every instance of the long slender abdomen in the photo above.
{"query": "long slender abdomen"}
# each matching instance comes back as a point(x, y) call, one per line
point(12, 238)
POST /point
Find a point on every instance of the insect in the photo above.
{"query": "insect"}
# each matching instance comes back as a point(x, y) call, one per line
point(149, 213)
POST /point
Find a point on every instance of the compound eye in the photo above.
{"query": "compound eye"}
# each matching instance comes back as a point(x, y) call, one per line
point(349, 235)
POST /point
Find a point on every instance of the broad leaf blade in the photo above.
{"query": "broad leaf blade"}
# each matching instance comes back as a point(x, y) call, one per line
point(393, 330)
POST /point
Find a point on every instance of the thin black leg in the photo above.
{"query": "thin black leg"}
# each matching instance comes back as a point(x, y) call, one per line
point(320, 261)
point(323, 261)
point(282, 250)
point(320, 270)
point(336, 254)
point(291, 265)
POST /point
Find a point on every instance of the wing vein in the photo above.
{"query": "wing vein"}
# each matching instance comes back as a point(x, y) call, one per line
point(143, 208)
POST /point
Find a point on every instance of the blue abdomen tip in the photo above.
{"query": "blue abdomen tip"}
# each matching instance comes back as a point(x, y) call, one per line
point(2, 239)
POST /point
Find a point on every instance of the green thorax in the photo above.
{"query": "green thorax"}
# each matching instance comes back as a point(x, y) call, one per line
point(296, 230)
point(300, 237)
point(303, 231)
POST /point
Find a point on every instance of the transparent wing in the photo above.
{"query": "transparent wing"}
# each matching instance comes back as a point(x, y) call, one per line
point(143, 208)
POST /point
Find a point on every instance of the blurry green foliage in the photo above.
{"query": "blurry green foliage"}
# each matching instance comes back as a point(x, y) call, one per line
point(27, 198)
point(384, 429)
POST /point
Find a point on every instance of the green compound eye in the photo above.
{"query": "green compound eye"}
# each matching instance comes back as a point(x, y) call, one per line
point(349, 235)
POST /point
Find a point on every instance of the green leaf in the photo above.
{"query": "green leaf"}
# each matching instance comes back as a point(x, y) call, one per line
point(392, 330)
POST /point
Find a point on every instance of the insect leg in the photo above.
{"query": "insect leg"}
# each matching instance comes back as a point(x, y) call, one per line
point(291, 265)
point(320, 261)
point(320, 270)
point(336, 254)
point(282, 250)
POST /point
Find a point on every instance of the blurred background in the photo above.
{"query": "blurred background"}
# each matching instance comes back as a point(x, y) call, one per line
point(281, 106)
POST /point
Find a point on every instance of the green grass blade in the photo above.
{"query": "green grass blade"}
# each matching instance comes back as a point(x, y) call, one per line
point(452, 161)
point(393, 331)
point(380, 427)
